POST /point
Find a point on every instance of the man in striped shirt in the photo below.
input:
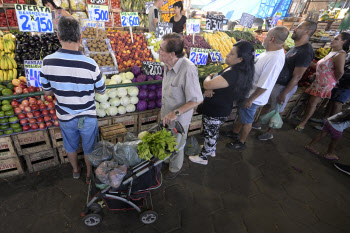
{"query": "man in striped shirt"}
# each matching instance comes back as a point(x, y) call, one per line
point(73, 78)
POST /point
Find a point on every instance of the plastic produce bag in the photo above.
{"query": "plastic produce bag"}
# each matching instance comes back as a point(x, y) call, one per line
point(265, 119)
point(276, 120)
point(103, 151)
point(116, 176)
point(126, 153)
point(192, 146)
point(102, 171)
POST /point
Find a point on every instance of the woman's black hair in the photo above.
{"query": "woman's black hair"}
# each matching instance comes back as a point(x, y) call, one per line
point(245, 71)
point(345, 116)
point(179, 5)
point(345, 36)
point(52, 3)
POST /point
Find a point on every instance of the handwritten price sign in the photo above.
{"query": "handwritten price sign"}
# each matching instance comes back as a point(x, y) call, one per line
point(214, 22)
point(130, 19)
point(98, 12)
point(199, 56)
point(163, 28)
point(32, 69)
point(215, 55)
point(34, 18)
point(193, 26)
point(151, 68)
point(89, 23)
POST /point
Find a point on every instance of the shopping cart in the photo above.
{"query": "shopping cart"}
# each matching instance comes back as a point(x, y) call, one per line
point(134, 190)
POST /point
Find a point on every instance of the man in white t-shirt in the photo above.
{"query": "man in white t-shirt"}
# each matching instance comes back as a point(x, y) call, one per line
point(267, 69)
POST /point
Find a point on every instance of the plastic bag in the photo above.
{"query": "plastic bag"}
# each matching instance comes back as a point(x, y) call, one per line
point(192, 146)
point(276, 120)
point(126, 153)
point(116, 176)
point(265, 119)
point(103, 151)
point(102, 171)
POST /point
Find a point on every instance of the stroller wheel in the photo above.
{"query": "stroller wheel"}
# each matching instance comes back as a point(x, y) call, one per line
point(148, 217)
point(95, 208)
point(91, 220)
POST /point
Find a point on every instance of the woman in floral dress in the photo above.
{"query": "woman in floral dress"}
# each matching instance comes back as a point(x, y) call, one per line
point(328, 71)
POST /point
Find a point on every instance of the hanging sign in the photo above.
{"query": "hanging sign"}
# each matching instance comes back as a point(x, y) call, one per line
point(94, 24)
point(193, 26)
point(148, 5)
point(215, 55)
point(214, 22)
point(130, 19)
point(163, 28)
point(151, 68)
point(199, 56)
point(34, 18)
point(32, 70)
point(98, 12)
point(247, 20)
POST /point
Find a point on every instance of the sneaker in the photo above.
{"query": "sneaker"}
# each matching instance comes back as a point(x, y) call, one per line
point(265, 136)
point(76, 175)
point(236, 145)
point(318, 120)
point(213, 154)
point(198, 159)
point(256, 125)
point(319, 127)
point(343, 168)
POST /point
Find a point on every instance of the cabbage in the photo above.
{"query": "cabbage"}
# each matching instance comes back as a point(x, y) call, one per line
point(129, 75)
point(159, 103)
point(116, 78)
point(112, 82)
point(149, 76)
point(141, 78)
point(104, 77)
point(135, 70)
point(130, 108)
point(125, 100)
point(134, 100)
point(152, 87)
point(121, 110)
point(133, 91)
point(152, 95)
point(105, 105)
point(141, 135)
point(112, 111)
point(101, 98)
point(100, 112)
point(141, 105)
point(107, 81)
point(151, 104)
point(143, 94)
point(122, 92)
point(114, 102)
point(97, 105)
point(126, 81)
point(157, 77)
point(159, 93)
point(113, 93)
point(150, 79)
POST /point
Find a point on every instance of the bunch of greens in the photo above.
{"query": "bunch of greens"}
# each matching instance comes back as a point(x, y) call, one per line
point(159, 144)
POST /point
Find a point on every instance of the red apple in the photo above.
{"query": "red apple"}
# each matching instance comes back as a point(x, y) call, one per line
point(49, 123)
point(40, 119)
point(39, 102)
point(37, 89)
point(48, 98)
point(21, 116)
point(51, 105)
point(31, 89)
point(23, 121)
point(54, 117)
point(25, 102)
point(18, 90)
point(46, 103)
point(35, 107)
point(27, 109)
point(30, 115)
point(26, 127)
point(17, 110)
point(32, 101)
point(32, 120)
point(47, 118)
point(34, 126)
point(45, 112)
point(42, 125)
point(52, 111)
point(25, 90)
point(37, 113)
point(42, 106)
point(14, 103)
point(22, 85)
point(56, 123)
point(21, 106)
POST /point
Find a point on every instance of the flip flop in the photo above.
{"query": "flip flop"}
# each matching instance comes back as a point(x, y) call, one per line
point(299, 129)
point(331, 157)
point(312, 150)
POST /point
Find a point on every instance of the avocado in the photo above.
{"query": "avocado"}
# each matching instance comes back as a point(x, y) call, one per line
point(18, 130)
point(6, 102)
point(6, 92)
point(10, 113)
point(6, 107)
point(4, 127)
point(15, 126)
point(4, 120)
point(10, 131)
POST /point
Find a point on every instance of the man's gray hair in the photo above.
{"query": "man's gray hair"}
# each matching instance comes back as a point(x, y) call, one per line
point(280, 33)
point(69, 29)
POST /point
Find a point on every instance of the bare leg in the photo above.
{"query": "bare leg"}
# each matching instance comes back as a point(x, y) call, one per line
point(88, 166)
point(331, 146)
point(337, 107)
point(238, 127)
point(313, 101)
point(73, 159)
point(329, 109)
point(245, 132)
point(317, 139)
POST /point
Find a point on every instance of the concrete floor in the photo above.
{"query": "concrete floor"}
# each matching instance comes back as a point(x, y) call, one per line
point(273, 186)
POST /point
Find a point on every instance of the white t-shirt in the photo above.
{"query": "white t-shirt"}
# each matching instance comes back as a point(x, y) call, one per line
point(268, 66)
point(340, 126)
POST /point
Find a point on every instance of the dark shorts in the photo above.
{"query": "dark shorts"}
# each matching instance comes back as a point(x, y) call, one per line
point(340, 95)
point(335, 134)
point(246, 115)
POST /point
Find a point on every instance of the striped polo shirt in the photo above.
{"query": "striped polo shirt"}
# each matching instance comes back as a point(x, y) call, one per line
point(73, 78)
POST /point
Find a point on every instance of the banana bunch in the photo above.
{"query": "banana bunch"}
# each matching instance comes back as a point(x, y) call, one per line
point(322, 52)
point(130, 5)
point(9, 36)
point(7, 45)
point(8, 68)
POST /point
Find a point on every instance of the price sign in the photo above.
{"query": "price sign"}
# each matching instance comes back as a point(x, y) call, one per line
point(215, 55)
point(199, 56)
point(163, 28)
point(32, 69)
point(130, 19)
point(193, 26)
point(94, 24)
point(151, 68)
point(247, 20)
point(258, 52)
point(147, 6)
point(34, 18)
point(98, 12)
point(98, 1)
point(214, 22)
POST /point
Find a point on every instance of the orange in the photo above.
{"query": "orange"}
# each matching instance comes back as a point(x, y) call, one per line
point(16, 82)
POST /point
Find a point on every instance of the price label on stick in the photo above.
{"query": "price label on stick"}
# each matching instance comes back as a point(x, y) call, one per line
point(199, 56)
point(98, 1)
point(34, 18)
point(130, 19)
point(193, 26)
point(148, 5)
point(93, 24)
point(163, 28)
point(98, 12)
point(215, 55)
point(214, 22)
point(151, 68)
point(32, 70)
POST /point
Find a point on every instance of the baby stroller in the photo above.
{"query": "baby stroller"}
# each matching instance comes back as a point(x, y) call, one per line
point(133, 191)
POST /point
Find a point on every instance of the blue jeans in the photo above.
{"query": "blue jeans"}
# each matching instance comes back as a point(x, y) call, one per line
point(86, 127)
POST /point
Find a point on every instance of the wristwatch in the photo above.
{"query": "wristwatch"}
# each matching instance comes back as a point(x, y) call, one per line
point(177, 113)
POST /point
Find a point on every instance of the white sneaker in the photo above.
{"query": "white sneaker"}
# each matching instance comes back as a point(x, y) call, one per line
point(212, 154)
point(197, 159)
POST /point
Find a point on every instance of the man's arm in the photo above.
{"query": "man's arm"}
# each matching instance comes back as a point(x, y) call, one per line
point(183, 109)
point(297, 75)
point(48, 92)
point(258, 92)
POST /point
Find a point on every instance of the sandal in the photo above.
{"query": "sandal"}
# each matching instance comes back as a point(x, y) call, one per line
point(330, 157)
point(312, 150)
point(76, 175)
point(299, 128)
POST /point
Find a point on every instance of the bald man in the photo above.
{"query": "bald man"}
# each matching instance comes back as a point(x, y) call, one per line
point(267, 69)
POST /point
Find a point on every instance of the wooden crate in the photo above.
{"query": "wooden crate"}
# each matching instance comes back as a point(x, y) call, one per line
point(104, 121)
point(64, 156)
point(7, 149)
point(10, 167)
point(115, 139)
point(231, 119)
point(31, 142)
point(56, 137)
point(112, 130)
point(148, 119)
point(196, 116)
point(195, 127)
point(129, 121)
point(41, 160)
point(289, 107)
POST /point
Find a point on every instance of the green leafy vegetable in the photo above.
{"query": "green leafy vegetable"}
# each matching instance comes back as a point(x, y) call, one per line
point(159, 144)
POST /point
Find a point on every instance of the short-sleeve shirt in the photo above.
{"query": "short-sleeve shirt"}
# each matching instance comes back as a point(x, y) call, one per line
point(180, 86)
point(73, 78)
point(153, 14)
point(300, 56)
point(340, 126)
point(267, 69)
point(178, 26)
point(220, 105)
